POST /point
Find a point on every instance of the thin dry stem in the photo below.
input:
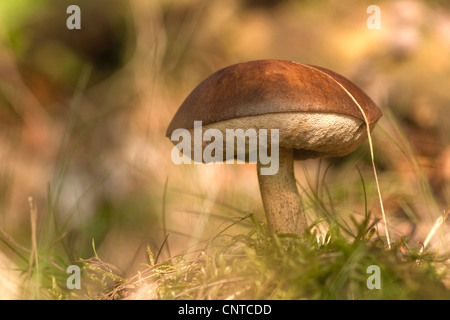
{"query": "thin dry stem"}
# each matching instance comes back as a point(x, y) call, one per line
point(439, 223)
point(34, 252)
point(369, 137)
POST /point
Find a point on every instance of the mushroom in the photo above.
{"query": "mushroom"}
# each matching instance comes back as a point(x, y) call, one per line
point(318, 113)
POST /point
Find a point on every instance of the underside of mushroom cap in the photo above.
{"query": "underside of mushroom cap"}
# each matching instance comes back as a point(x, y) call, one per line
point(311, 135)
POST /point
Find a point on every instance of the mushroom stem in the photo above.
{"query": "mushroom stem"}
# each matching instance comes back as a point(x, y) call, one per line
point(280, 196)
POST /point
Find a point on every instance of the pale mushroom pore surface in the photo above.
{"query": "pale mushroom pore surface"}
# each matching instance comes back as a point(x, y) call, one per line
point(324, 133)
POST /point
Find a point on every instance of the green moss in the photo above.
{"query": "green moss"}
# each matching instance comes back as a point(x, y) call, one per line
point(263, 266)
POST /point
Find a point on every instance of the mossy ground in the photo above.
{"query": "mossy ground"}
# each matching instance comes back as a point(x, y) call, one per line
point(259, 265)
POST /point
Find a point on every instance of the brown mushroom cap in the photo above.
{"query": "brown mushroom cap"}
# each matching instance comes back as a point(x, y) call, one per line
point(299, 100)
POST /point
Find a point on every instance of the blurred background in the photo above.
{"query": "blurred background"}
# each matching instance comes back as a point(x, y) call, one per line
point(83, 115)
